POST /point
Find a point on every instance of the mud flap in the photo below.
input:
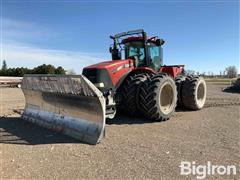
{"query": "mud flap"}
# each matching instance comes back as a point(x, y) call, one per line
point(71, 105)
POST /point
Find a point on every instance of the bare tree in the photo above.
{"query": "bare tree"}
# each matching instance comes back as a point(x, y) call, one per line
point(231, 71)
point(190, 72)
point(203, 74)
point(4, 65)
point(71, 72)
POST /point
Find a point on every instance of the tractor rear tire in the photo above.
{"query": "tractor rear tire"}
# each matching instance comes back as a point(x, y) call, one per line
point(194, 92)
point(130, 93)
point(179, 80)
point(158, 97)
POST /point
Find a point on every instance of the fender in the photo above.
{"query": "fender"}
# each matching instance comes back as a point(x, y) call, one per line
point(139, 70)
point(173, 70)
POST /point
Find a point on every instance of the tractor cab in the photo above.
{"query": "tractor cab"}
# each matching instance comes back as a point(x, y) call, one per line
point(146, 52)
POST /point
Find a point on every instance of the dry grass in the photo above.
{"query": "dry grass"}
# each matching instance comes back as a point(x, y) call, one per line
point(225, 81)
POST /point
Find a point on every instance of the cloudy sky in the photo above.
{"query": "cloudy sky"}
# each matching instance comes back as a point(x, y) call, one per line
point(202, 35)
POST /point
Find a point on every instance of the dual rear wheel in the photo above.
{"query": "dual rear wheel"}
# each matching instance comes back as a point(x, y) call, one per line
point(192, 92)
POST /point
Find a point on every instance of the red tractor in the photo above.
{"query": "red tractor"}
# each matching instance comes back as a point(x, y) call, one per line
point(135, 80)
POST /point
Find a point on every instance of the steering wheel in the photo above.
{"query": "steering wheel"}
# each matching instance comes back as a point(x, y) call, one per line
point(140, 54)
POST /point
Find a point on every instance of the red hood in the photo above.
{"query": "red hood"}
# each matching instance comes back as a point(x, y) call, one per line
point(109, 64)
point(116, 69)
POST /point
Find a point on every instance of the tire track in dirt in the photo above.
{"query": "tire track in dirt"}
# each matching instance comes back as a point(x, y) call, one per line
point(221, 102)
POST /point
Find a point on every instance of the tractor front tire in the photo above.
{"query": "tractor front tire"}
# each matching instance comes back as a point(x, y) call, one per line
point(179, 80)
point(158, 97)
point(194, 92)
point(130, 93)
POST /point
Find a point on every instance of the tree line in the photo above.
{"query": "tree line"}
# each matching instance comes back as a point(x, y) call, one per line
point(20, 71)
point(229, 72)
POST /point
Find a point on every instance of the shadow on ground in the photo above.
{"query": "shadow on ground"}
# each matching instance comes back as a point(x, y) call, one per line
point(14, 130)
point(123, 118)
point(17, 131)
point(232, 89)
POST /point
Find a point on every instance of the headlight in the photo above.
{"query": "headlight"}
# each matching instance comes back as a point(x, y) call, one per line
point(100, 85)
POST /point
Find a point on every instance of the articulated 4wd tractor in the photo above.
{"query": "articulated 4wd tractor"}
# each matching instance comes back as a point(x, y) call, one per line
point(135, 81)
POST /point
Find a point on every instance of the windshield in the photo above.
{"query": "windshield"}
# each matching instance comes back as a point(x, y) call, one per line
point(135, 50)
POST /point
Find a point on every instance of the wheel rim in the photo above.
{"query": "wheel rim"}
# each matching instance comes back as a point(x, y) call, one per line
point(166, 98)
point(201, 94)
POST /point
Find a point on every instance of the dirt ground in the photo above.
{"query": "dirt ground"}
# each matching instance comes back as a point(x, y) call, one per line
point(132, 149)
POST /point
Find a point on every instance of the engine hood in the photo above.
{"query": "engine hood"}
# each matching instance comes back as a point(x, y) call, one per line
point(108, 72)
point(110, 64)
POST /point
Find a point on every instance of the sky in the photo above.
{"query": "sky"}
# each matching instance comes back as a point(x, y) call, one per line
point(202, 35)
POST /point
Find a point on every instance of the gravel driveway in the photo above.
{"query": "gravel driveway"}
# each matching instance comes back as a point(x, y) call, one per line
point(132, 149)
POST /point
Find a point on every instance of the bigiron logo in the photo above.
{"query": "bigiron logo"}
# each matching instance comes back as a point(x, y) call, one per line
point(208, 169)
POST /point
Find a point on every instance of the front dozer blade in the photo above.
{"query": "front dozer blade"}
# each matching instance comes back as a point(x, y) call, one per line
point(71, 105)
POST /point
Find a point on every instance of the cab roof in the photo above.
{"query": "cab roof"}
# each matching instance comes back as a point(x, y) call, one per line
point(138, 38)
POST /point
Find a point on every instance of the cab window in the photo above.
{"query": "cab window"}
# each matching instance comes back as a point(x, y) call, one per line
point(135, 50)
point(155, 57)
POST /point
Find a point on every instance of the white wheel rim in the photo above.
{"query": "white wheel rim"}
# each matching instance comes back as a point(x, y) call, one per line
point(166, 98)
point(201, 94)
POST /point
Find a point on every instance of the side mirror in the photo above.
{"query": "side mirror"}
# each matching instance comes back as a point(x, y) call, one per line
point(160, 42)
point(116, 55)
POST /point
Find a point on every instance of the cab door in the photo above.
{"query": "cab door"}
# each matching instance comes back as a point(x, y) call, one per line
point(155, 55)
